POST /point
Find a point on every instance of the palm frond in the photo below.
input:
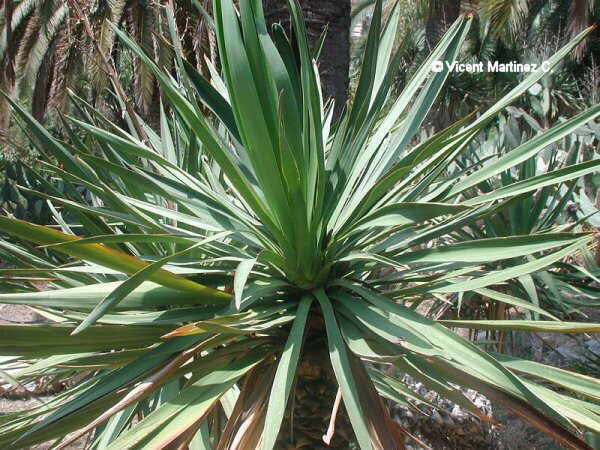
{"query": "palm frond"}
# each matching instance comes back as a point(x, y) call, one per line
point(39, 50)
point(141, 20)
point(506, 18)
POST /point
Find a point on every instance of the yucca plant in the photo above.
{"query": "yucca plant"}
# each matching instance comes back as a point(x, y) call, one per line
point(229, 286)
point(563, 288)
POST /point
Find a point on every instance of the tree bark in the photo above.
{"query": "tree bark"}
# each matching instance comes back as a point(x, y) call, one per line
point(441, 15)
point(313, 396)
point(334, 62)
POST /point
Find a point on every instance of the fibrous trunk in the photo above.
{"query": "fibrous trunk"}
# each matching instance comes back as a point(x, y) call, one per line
point(311, 403)
point(334, 62)
point(442, 13)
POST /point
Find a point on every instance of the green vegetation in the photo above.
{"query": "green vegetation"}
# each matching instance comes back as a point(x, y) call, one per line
point(197, 273)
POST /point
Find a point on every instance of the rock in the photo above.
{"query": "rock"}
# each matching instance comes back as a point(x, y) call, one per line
point(18, 314)
point(448, 426)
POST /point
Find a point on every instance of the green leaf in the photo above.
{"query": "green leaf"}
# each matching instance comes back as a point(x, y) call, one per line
point(524, 151)
point(526, 325)
point(132, 238)
point(511, 300)
point(458, 350)
point(537, 182)
point(211, 98)
point(396, 390)
point(489, 250)
point(42, 340)
point(116, 379)
point(561, 430)
point(192, 404)
point(105, 256)
point(284, 377)
point(343, 372)
point(580, 412)
point(201, 129)
point(115, 426)
point(148, 295)
point(239, 280)
point(405, 214)
point(498, 276)
point(572, 381)
point(134, 281)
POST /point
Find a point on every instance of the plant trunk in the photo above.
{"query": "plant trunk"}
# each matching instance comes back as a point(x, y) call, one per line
point(334, 62)
point(311, 402)
point(441, 15)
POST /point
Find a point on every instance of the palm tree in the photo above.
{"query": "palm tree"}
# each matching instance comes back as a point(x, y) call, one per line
point(51, 50)
point(441, 14)
point(510, 18)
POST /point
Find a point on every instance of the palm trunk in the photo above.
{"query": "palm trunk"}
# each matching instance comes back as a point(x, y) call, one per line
point(334, 63)
point(313, 397)
point(441, 15)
